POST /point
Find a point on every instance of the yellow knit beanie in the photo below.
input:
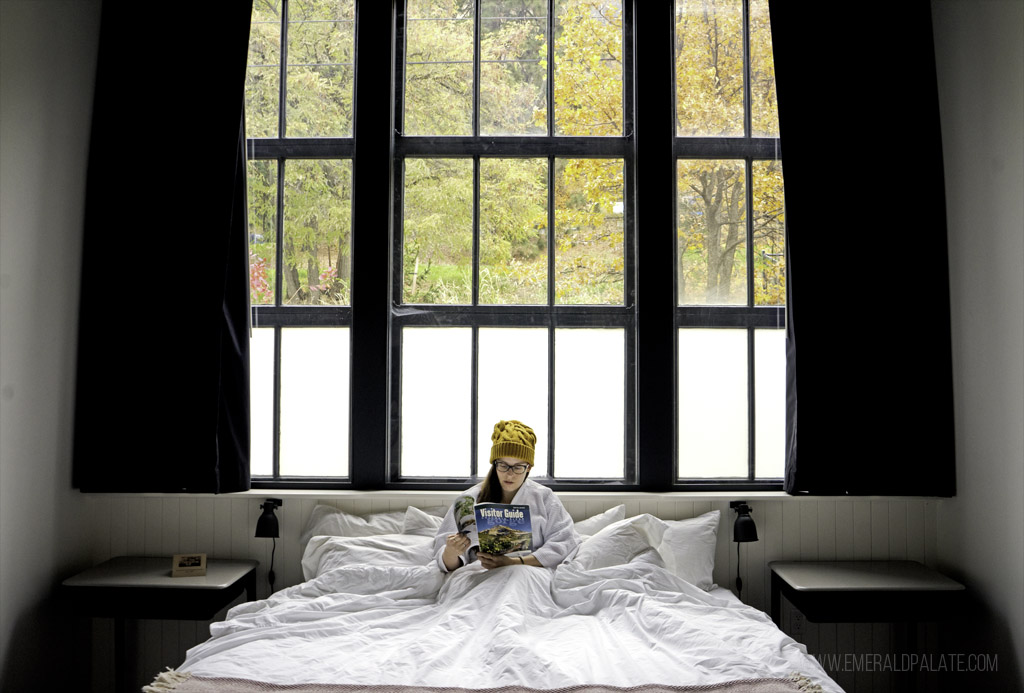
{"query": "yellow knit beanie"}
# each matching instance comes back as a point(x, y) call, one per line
point(513, 439)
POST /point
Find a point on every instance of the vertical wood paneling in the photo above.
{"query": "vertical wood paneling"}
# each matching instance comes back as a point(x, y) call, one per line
point(153, 532)
point(169, 530)
point(879, 530)
point(844, 531)
point(808, 530)
point(205, 525)
point(915, 532)
point(646, 505)
point(930, 542)
point(291, 526)
point(755, 584)
point(136, 527)
point(188, 526)
point(826, 521)
point(239, 518)
point(861, 530)
point(222, 528)
point(897, 533)
point(791, 531)
point(862, 643)
point(846, 641)
point(772, 538)
point(723, 573)
point(118, 528)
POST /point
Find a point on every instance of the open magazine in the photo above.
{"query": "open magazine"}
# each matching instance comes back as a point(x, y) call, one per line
point(495, 528)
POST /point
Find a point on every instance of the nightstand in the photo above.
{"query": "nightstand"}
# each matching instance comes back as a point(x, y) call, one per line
point(867, 592)
point(142, 587)
point(863, 591)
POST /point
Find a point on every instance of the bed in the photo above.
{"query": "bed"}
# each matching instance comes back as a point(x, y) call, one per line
point(635, 609)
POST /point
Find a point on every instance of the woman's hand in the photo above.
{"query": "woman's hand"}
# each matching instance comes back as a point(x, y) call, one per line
point(491, 561)
point(454, 546)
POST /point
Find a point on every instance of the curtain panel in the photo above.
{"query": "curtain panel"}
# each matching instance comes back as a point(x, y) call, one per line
point(162, 392)
point(869, 376)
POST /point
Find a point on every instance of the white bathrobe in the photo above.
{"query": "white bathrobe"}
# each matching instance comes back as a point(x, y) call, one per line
point(554, 534)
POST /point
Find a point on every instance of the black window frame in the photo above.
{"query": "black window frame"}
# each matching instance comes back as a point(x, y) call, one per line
point(649, 149)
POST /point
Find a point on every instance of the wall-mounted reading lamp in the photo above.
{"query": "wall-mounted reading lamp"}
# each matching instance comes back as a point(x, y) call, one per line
point(267, 526)
point(743, 530)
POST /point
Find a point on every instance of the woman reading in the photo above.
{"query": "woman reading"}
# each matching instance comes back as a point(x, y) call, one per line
point(554, 536)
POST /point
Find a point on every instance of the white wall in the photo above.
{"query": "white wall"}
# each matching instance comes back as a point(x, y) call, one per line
point(47, 64)
point(980, 61)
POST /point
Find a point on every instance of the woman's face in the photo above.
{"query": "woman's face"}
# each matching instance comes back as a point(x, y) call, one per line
point(510, 480)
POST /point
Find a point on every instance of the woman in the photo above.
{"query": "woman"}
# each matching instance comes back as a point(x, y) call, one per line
point(554, 536)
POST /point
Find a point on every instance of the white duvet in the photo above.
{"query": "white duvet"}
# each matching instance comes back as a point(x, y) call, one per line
point(375, 616)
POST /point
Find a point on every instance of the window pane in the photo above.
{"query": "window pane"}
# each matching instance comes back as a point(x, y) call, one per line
point(588, 67)
point(439, 68)
point(437, 231)
point(262, 183)
point(712, 233)
point(321, 44)
point(589, 260)
point(263, 75)
point(769, 234)
point(261, 402)
point(713, 403)
point(317, 224)
point(590, 403)
point(435, 401)
point(314, 401)
point(513, 231)
point(513, 67)
point(519, 392)
point(764, 114)
point(769, 403)
point(709, 68)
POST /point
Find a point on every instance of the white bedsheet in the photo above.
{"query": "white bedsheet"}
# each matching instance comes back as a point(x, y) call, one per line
point(621, 625)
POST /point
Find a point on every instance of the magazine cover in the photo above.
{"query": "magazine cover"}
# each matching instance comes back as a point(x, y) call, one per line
point(503, 529)
point(465, 519)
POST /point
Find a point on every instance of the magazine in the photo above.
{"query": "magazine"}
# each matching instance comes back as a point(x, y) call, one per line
point(503, 529)
point(465, 519)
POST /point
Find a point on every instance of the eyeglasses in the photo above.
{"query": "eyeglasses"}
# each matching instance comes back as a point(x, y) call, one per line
point(515, 468)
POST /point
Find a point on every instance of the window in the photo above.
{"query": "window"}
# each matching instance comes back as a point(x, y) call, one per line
point(511, 243)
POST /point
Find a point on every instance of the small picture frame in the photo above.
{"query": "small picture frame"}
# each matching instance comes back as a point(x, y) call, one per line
point(188, 565)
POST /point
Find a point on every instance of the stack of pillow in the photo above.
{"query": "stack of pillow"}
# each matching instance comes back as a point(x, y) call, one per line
point(333, 537)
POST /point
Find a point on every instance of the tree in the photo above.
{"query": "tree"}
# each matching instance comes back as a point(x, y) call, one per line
point(317, 219)
point(589, 193)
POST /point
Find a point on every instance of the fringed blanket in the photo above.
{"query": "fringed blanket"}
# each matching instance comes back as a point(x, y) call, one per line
point(186, 683)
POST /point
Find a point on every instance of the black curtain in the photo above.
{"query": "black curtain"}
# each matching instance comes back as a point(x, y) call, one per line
point(162, 394)
point(869, 367)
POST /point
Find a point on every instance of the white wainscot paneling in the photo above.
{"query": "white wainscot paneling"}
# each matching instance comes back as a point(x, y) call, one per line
point(788, 529)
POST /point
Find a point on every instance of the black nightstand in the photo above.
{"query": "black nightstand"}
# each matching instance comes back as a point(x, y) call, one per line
point(867, 592)
point(864, 591)
point(142, 587)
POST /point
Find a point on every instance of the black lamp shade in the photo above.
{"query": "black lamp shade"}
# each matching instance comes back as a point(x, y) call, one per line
point(744, 529)
point(266, 525)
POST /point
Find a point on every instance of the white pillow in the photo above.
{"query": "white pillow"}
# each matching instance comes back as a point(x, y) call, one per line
point(621, 542)
point(326, 520)
point(325, 553)
point(421, 522)
point(688, 548)
point(595, 523)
